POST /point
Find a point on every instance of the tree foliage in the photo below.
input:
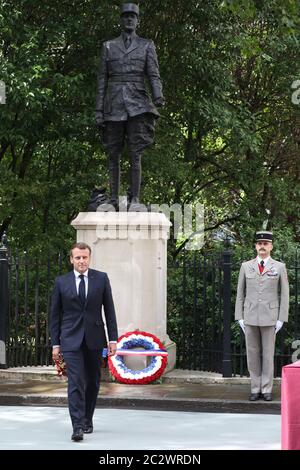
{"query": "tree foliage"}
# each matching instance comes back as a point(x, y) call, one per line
point(228, 137)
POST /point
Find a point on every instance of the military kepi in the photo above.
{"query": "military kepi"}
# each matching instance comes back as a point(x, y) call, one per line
point(264, 236)
point(130, 7)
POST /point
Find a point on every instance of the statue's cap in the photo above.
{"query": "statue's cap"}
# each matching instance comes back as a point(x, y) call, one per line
point(130, 7)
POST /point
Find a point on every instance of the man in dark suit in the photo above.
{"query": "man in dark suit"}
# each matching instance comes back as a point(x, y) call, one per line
point(77, 333)
point(123, 107)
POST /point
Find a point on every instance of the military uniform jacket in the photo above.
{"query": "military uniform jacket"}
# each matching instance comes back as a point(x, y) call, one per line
point(262, 299)
point(121, 79)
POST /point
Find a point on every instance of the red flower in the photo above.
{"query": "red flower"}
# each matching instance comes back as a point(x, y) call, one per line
point(61, 368)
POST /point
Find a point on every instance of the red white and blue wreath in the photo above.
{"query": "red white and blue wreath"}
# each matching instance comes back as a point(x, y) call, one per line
point(151, 346)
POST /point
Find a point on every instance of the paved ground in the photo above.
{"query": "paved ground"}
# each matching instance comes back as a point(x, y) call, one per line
point(179, 391)
point(172, 396)
point(34, 428)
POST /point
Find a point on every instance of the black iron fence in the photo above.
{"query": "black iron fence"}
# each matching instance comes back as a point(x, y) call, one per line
point(201, 298)
point(201, 302)
point(25, 290)
point(196, 311)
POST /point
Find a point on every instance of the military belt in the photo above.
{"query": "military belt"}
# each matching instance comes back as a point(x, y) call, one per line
point(126, 78)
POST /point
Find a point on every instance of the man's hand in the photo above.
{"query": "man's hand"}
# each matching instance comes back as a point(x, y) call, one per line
point(99, 119)
point(242, 325)
point(278, 326)
point(111, 350)
point(56, 353)
point(159, 102)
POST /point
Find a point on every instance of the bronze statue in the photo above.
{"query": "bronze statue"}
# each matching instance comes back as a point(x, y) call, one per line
point(124, 110)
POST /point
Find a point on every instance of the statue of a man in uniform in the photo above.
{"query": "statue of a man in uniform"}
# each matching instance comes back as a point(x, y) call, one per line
point(124, 109)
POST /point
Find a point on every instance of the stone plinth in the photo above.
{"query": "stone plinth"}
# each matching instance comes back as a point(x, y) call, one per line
point(132, 248)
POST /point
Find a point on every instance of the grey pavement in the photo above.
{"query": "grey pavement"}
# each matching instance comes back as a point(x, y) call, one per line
point(178, 391)
point(43, 428)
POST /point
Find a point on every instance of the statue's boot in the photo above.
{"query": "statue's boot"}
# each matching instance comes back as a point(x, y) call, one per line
point(136, 173)
point(135, 188)
point(114, 177)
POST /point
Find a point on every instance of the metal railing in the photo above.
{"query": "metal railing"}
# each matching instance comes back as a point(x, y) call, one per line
point(201, 303)
point(26, 282)
point(201, 298)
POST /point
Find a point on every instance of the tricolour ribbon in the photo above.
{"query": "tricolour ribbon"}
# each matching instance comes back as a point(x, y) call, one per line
point(141, 352)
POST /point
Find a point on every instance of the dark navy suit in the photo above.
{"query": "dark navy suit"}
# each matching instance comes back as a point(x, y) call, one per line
point(79, 330)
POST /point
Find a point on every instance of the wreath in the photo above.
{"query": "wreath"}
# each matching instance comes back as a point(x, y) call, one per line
point(152, 347)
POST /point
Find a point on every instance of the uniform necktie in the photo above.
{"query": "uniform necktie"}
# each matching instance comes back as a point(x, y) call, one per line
point(261, 266)
point(81, 291)
point(127, 41)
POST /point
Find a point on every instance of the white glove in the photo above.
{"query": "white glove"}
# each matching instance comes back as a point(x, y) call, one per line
point(278, 326)
point(242, 324)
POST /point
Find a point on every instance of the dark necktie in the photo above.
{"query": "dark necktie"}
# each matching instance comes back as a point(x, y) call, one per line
point(81, 290)
point(127, 41)
point(261, 266)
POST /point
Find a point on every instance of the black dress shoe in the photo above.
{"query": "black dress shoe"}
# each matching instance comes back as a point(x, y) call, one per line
point(77, 435)
point(88, 429)
point(267, 396)
point(254, 396)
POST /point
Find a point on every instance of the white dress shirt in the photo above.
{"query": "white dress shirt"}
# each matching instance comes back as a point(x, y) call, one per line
point(259, 259)
point(86, 280)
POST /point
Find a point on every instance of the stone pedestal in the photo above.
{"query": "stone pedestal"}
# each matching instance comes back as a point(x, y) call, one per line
point(132, 248)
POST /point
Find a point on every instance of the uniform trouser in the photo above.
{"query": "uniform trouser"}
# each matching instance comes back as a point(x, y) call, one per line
point(260, 345)
point(83, 371)
point(138, 131)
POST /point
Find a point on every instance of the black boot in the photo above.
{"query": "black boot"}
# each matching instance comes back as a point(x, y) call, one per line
point(114, 182)
point(135, 188)
point(98, 198)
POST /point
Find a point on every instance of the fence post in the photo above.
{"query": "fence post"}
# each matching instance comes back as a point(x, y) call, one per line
point(3, 300)
point(226, 362)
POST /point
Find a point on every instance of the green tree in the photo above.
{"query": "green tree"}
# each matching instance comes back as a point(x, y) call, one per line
point(228, 137)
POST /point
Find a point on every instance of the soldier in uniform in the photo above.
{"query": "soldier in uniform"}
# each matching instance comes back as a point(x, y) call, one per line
point(262, 305)
point(124, 109)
